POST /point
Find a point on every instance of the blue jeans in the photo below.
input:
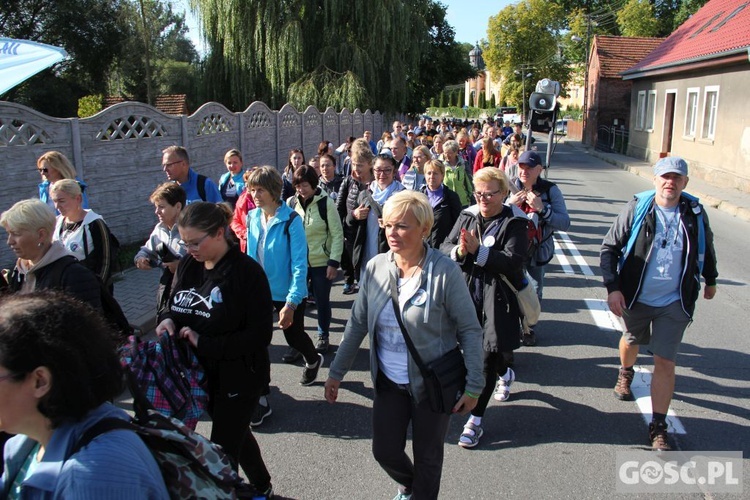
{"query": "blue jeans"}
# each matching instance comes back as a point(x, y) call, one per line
point(321, 287)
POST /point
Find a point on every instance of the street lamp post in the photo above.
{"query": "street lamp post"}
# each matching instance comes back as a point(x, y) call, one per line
point(524, 76)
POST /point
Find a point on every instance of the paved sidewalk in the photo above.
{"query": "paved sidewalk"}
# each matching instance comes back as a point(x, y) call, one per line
point(136, 293)
point(732, 201)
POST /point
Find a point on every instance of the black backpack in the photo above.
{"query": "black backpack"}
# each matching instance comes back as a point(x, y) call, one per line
point(111, 309)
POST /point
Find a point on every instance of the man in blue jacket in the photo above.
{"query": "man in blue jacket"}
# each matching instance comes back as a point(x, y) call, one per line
point(652, 259)
point(175, 163)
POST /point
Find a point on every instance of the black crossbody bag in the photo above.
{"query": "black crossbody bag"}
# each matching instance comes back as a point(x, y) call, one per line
point(445, 377)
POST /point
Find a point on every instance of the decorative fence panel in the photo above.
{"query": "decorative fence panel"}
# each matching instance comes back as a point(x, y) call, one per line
point(117, 152)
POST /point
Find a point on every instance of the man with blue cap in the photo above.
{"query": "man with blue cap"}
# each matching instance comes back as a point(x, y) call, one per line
point(652, 259)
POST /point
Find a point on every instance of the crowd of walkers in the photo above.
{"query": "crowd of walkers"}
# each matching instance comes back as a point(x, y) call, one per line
point(431, 221)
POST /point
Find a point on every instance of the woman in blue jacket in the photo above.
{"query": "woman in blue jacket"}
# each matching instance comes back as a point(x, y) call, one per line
point(276, 239)
point(54, 166)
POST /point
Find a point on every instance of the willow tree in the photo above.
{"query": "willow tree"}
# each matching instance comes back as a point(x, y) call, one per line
point(353, 53)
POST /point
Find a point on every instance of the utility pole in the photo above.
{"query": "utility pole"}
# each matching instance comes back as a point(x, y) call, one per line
point(525, 72)
point(586, 77)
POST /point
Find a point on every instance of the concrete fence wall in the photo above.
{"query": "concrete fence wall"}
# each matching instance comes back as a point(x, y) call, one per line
point(117, 152)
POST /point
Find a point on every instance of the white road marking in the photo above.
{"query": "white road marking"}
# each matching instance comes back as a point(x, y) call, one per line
point(575, 253)
point(562, 259)
point(603, 317)
point(641, 386)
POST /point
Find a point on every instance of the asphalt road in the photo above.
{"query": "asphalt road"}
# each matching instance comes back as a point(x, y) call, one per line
point(558, 435)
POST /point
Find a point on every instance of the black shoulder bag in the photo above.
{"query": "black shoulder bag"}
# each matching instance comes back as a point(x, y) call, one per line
point(445, 377)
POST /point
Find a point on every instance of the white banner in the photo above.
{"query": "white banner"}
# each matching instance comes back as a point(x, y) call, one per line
point(21, 59)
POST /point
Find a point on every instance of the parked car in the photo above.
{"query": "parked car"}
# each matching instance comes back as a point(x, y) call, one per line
point(561, 127)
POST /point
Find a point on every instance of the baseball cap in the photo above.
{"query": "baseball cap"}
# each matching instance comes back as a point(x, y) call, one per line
point(671, 164)
point(530, 158)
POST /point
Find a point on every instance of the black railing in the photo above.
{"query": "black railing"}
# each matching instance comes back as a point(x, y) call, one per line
point(612, 139)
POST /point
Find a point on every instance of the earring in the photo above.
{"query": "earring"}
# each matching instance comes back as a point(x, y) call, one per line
point(40, 244)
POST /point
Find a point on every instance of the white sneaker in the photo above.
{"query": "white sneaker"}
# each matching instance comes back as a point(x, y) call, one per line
point(502, 391)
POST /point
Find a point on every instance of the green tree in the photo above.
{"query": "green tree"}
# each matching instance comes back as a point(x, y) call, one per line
point(493, 102)
point(636, 18)
point(527, 38)
point(158, 57)
point(482, 101)
point(87, 29)
point(443, 101)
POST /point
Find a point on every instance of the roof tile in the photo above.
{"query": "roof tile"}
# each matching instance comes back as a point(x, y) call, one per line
point(712, 31)
point(618, 53)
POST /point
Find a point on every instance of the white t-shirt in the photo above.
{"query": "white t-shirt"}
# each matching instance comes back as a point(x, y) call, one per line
point(393, 353)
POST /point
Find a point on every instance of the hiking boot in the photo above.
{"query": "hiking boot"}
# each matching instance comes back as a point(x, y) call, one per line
point(529, 339)
point(310, 373)
point(622, 388)
point(291, 356)
point(502, 391)
point(260, 413)
point(657, 435)
point(322, 345)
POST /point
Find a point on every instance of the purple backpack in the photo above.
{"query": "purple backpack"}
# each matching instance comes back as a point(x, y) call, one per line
point(169, 375)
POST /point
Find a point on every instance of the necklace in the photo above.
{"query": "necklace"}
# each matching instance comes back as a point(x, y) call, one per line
point(413, 272)
point(668, 225)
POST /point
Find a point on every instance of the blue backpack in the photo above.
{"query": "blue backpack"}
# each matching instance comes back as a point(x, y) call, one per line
point(644, 206)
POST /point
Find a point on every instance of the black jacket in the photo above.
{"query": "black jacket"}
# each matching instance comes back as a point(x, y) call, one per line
point(65, 274)
point(355, 231)
point(629, 279)
point(446, 214)
point(230, 307)
point(497, 306)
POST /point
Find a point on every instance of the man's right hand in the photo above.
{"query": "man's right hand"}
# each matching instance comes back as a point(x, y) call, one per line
point(616, 303)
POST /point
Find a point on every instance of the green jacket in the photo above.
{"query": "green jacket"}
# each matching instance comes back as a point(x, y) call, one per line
point(458, 180)
point(325, 241)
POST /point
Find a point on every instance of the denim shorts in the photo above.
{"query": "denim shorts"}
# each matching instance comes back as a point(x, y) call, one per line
point(660, 328)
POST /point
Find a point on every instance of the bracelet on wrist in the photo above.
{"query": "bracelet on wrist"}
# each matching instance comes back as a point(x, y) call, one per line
point(471, 395)
point(292, 306)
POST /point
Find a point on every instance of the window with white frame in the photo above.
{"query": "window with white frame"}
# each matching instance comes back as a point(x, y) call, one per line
point(691, 111)
point(710, 106)
point(650, 110)
point(640, 110)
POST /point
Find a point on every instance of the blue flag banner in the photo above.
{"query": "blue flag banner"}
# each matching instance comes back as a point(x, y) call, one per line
point(22, 59)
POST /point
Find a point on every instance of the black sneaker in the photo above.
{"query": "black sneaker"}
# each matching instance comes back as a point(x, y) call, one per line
point(291, 356)
point(260, 413)
point(348, 289)
point(310, 373)
point(322, 345)
point(529, 339)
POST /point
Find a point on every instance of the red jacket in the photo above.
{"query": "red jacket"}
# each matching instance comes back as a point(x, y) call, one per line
point(479, 161)
point(245, 203)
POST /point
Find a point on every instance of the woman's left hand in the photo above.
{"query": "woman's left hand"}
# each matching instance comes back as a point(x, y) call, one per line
point(465, 404)
point(191, 335)
point(286, 317)
point(331, 273)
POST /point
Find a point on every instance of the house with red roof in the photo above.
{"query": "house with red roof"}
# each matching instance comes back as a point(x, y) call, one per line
point(608, 99)
point(691, 97)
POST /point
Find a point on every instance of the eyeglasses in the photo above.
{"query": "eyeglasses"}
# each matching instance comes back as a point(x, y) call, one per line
point(486, 196)
point(167, 165)
point(43, 170)
point(7, 376)
point(383, 171)
point(195, 245)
